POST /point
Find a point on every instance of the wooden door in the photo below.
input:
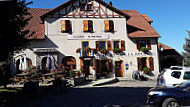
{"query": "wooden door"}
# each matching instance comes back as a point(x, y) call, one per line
point(118, 69)
point(86, 67)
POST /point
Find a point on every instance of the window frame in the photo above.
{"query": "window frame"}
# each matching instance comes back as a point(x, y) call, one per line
point(91, 9)
point(81, 9)
point(100, 43)
point(118, 43)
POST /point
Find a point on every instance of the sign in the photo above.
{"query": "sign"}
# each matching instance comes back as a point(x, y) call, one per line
point(127, 66)
point(77, 37)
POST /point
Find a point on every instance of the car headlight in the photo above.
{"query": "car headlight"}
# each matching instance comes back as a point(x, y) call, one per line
point(155, 93)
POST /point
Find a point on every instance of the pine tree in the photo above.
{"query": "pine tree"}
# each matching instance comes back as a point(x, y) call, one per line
point(186, 54)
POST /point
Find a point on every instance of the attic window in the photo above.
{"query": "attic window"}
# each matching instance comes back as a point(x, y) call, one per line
point(82, 7)
point(89, 7)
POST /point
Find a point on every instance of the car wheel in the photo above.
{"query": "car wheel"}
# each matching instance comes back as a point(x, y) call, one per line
point(170, 102)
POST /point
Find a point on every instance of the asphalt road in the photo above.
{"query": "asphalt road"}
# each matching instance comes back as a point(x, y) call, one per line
point(121, 94)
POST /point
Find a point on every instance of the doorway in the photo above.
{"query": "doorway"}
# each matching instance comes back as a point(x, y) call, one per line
point(118, 69)
point(86, 67)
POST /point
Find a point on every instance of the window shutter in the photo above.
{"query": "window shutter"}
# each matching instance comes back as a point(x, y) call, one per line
point(123, 45)
point(138, 44)
point(109, 45)
point(97, 45)
point(148, 45)
point(63, 26)
point(110, 65)
point(151, 64)
point(90, 25)
point(111, 26)
point(68, 25)
point(106, 23)
point(94, 66)
point(139, 64)
point(85, 23)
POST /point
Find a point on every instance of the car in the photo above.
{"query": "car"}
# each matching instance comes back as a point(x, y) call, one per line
point(164, 96)
point(173, 76)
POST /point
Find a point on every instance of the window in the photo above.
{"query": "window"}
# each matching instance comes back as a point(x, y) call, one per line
point(89, 7)
point(186, 75)
point(65, 26)
point(82, 7)
point(176, 74)
point(102, 45)
point(84, 46)
point(116, 44)
point(88, 26)
point(142, 62)
point(143, 43)
point(109, 26)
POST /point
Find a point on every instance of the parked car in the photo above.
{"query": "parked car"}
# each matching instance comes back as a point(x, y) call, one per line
point(169, 96)
point(173, 76)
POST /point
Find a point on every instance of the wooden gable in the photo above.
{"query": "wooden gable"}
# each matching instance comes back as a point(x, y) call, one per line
point(85, 9)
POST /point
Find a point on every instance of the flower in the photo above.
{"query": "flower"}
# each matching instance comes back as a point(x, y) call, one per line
point(143, 49)
point(104, 51)
point(146, 70)
point(117, 50)
point(78, 50)
point(88, 49)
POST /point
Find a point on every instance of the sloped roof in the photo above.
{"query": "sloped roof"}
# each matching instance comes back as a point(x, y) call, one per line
point(137, 25)
point(36, 25)
point(70, 1)
point(147, 18)
point(165, 47)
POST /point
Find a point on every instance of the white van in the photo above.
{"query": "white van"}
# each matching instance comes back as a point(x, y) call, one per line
point(174, 76)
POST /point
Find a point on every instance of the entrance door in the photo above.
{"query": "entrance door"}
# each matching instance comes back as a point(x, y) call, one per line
point(86, 66)
point(118, 69)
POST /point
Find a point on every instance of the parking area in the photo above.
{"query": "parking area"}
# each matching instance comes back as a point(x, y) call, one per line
point(120, 94)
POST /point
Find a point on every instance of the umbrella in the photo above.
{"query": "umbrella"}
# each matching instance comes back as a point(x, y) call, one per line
point(20, 64)
point(53, 64)
point(25, 63)
point(48, 62)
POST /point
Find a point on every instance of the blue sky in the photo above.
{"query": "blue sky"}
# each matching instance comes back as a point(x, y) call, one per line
point(171, 18)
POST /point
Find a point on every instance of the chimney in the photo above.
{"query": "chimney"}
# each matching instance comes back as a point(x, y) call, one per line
point(110, 3)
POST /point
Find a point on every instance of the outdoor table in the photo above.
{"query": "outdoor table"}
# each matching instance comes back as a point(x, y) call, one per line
point(22, 77)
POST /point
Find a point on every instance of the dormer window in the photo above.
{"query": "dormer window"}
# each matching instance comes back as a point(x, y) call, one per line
point(86, 7)
point(89, 7)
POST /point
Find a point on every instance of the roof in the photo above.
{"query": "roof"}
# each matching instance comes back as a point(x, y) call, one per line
point(36, 25)
point(70, 1)
point(147, 18)
point(46, 51)
point(165, 47)
point(138, 26)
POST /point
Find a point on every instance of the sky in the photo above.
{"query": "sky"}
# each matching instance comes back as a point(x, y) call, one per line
point(171, 18)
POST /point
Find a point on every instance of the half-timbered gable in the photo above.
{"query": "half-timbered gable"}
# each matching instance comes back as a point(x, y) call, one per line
point(85, 9)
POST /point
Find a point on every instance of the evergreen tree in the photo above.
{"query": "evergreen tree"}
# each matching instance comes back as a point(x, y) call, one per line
point(186, 54)
point(12, 33)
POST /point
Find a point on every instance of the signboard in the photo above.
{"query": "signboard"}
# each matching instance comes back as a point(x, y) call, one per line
point(127, 66)
point(95, 37)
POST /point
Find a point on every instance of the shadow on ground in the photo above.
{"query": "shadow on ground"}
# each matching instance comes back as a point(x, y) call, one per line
point(92, 97)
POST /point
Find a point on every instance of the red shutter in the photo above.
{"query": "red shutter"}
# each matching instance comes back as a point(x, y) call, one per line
point(138, 44)
point(94, 66)
point(111, 26)
point(123, 45)
point(139, 64)
point(109, 45)
point(90, 25)
point(97, 45)
point(151, 64)
point(148, 44)
point(110, 65)
point(63, 26)
point(106, 25)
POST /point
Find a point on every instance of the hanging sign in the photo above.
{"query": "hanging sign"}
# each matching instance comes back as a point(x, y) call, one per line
point(127, 66)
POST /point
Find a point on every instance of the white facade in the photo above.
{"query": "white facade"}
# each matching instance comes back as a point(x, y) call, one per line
point(55, 39)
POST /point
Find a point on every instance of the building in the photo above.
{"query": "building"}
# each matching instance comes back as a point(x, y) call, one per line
point(169, 56)
point(92, 35)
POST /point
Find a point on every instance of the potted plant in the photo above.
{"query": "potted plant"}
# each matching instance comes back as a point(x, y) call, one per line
point(117, 50)
point(104, 51)
point(146, 70)
point(78, 50)
point(95, 51)
point(144, 49)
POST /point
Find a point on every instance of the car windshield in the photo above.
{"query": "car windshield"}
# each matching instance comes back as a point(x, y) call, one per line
point(186, 75)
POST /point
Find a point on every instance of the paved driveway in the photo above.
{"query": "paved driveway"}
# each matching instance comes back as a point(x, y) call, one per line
point(121, 94)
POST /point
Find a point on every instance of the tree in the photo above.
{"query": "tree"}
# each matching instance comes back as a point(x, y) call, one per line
point(14, 16)
point(186, 54)
point(12, 33)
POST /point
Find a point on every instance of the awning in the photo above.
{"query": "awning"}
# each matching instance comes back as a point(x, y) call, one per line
point(46, 51)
